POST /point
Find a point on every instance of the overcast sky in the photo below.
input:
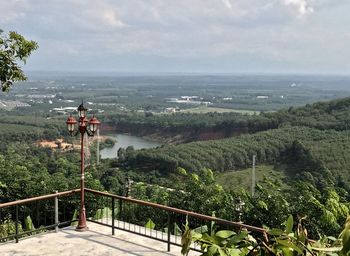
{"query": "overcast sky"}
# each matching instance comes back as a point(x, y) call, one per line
point(184, 35)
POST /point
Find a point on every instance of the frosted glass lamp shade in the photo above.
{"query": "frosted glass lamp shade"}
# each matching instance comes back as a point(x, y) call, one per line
point(71, 122)
point(94, 124)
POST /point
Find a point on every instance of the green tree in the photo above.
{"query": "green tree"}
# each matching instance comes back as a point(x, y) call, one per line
point(14, 48)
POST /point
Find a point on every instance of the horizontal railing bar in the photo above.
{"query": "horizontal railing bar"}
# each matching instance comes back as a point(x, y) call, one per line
point(29, 232)
point(179, 211)
point(38, 229)
point(138, 233)
point(38, 198)
point(67, 222)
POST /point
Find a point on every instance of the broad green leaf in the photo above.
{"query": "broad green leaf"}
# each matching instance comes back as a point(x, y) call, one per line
point(332, 238)
point(212, 224)
point(289, 244)
point(177, 230)
point(209, 239)
point(186, 240)
point(275, 232)
point(224, 233)
point(150, 224)
point(289, 225)
point(234, 252)
point(196, 236)
point(74, 218)
point(202, 229)
point(102, 213)
point(221, 252)
point(238, 238)
point(286, 251)
point(212, 250)
point(29, 224)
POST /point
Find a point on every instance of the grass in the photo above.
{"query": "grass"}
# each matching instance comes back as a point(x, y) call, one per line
point(242, 179)
point(205, 109)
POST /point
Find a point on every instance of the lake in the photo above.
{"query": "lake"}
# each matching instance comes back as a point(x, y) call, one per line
point(125, 140)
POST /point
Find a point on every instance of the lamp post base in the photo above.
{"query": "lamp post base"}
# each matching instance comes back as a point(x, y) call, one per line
point(82, 221)
point(81, 229)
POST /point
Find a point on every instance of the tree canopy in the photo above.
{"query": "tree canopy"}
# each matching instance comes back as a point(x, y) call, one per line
point(14, 49)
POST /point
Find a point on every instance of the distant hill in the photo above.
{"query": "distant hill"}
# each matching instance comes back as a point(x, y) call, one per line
point(333, 114)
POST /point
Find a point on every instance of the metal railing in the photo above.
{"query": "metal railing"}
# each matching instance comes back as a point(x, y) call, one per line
point(36, 214)
point(156, 221)
point(152, 220)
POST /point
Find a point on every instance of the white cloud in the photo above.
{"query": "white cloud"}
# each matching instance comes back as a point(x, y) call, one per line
point(227, 3)
point(267, 30)
point(303, 6)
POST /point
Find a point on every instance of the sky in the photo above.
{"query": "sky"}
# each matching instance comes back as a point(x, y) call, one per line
point(205, 36)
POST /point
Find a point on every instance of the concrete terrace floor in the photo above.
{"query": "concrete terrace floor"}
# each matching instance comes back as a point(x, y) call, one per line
point(97, 241)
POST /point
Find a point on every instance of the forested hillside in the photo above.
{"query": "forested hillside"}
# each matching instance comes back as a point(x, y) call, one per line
point(293, 144)
point(312, 139)
point(187, 127)
point(321, 115)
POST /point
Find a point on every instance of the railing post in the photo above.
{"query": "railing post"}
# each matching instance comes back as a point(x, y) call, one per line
point(16, 223)
point(169, 231)
point(120, 209)
point(113, 216)
point(56, 212)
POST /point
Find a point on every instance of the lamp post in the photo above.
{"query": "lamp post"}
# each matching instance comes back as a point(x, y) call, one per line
point(128, 186)
point(239, 207)
point(89, 127)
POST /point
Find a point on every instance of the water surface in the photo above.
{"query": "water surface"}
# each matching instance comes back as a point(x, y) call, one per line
point(125, 140)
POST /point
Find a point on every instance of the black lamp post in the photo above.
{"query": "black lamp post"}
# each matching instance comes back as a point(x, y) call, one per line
point(89, 127)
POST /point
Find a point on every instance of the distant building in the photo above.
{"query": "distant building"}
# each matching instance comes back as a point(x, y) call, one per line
point(11, 104)
point(189, 98)
point(171, 110)
point(195, 100)
point(21, 104)
point(41, 96)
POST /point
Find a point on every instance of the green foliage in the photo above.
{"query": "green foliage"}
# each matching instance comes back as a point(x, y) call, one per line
point(236, 153)
point(180, 122)
point(103, 214)
point(279, 242)
point(75, 218)
point(29, 224)
point(345, 236)
point(200, 193)
point(321, 115)
point(150, 224)
point(8, 227)
point(14, 48)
